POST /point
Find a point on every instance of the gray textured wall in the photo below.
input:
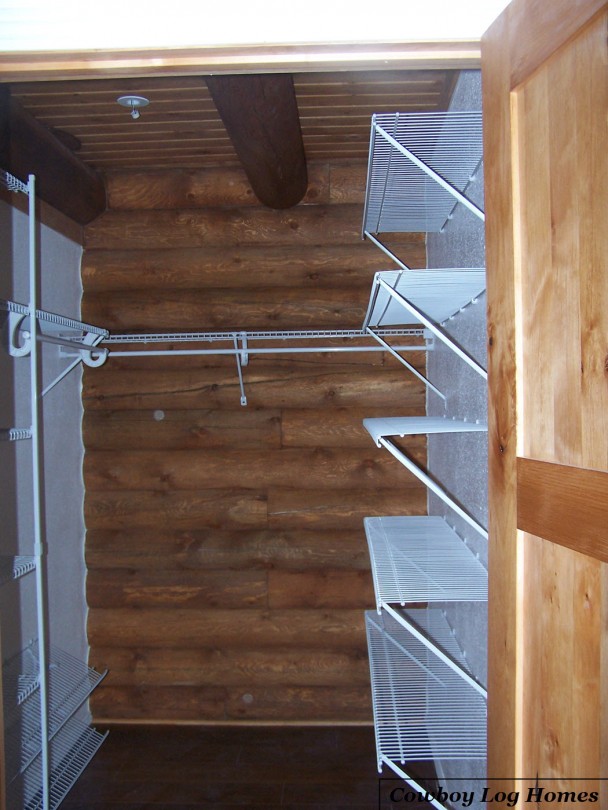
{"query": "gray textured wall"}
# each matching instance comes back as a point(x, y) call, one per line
point(460, 461)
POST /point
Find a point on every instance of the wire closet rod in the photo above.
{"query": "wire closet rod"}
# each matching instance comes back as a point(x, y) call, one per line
point(212, 337)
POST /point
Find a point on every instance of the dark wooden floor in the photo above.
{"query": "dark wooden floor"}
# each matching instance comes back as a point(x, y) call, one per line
point(188, 768)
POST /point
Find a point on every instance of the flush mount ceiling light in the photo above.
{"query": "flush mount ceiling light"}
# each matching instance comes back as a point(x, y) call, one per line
point(133, 103)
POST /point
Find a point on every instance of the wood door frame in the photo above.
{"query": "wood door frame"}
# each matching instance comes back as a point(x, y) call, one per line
point(535, 29)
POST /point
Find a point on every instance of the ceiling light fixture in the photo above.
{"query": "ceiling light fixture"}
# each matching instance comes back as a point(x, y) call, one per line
point(133, 103)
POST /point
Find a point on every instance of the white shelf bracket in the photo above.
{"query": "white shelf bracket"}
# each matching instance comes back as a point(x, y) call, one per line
point(434, 328)
point(244, 352)
point(431, 484)
point(237, 355)
point(409, 366)
point(19, 339)
point(385, 250)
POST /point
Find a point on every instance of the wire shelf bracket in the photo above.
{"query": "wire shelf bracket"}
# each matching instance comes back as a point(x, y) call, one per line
point(428, 297)
point(76, 340)
point(382, 430)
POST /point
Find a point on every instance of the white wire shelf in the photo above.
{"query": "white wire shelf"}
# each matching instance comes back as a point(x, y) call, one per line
point(383, 427)
point(71, 750)
point(13, 568)
point(70, 682)
point(12, 183)
point(52, 318)
point(427, 297)
point(423, 709)
point(422, 559)
point(20, 679)
point(439, 294)
point(420, 167)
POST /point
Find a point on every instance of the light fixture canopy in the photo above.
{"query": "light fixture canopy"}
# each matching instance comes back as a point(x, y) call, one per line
point(133, 103)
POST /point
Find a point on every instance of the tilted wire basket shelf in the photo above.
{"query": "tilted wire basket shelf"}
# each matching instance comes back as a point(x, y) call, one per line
point(70, 682)
point(423, 708)
point(422, 559)
point(70, 751)
point(420, 168)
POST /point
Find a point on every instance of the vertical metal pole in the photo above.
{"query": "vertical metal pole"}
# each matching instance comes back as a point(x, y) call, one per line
point(37, 502)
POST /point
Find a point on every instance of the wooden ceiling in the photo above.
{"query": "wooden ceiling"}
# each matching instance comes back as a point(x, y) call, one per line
point(181, 127)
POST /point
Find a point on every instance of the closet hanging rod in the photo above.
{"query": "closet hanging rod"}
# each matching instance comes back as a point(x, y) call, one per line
point(249, 350)
point(211, 337)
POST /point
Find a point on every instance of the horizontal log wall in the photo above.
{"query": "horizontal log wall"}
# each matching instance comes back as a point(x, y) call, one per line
point(228, 569)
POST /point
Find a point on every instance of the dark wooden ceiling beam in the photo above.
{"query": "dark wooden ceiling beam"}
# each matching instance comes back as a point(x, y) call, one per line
point(261, 116)
point(62, 179)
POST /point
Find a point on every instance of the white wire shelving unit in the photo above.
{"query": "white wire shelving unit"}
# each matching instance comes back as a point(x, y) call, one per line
point(420, 167)
point(422, 559)
point(426, 705)
point(46, 746)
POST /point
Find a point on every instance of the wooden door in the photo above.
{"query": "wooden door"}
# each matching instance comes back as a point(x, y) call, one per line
point(545, 79)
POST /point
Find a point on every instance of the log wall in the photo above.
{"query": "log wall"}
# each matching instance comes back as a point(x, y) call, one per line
point(228, 569)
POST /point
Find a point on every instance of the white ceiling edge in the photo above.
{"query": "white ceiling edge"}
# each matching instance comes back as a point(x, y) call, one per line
point(65, 25)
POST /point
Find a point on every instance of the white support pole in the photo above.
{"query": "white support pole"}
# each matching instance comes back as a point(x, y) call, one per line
point(431, 173)
point(36, 446)
point(434, 328)
point(431, 484)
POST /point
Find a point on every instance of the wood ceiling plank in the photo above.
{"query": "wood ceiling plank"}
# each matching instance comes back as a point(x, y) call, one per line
point(182, 110)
